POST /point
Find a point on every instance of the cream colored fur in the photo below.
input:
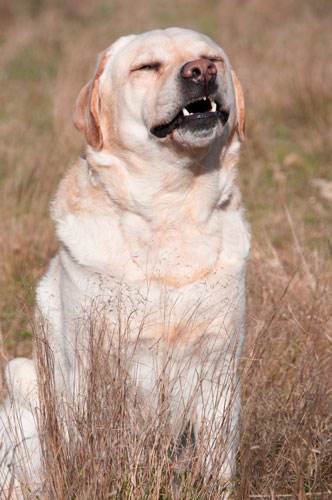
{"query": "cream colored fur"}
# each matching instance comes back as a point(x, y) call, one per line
point(150, 229)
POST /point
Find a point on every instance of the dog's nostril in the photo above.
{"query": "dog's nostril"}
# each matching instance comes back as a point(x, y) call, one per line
point(196, 72)
point(212, 70)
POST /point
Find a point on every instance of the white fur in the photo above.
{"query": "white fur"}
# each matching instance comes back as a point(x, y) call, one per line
point(158, 223)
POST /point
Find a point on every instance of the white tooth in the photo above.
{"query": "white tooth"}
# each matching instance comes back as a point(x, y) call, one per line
point(214, 106)
point(185, 112)
point(204, 98)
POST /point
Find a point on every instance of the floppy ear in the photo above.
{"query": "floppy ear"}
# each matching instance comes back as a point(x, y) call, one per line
point(86, 108)
point(241, 124)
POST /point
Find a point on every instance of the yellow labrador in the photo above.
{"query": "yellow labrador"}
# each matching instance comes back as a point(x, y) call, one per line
point(152, 215)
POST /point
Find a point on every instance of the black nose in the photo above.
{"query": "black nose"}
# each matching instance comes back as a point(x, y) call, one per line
point(200, 71)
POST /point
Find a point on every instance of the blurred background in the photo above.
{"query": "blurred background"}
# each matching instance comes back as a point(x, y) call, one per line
point(282, 54)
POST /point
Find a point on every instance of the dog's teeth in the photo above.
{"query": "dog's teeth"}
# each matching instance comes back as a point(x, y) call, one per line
point(185, 112)
point(214, 106)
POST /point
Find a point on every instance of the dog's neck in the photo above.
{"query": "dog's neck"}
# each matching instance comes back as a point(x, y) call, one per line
point(189, 188)
point(148, 222)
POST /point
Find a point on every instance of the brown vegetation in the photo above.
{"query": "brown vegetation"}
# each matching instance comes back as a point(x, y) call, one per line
point(281, 54)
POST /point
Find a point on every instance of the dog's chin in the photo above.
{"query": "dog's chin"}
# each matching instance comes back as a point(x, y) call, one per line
point(198, 133)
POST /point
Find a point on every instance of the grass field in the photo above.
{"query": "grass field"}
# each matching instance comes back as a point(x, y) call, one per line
point(282, 54)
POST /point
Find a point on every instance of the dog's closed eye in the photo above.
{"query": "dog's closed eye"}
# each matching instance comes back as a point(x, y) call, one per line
point(154, 66)
point(213, 58)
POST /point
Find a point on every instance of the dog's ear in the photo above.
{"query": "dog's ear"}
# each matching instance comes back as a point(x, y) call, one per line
point(86, 108)
point(240, 115)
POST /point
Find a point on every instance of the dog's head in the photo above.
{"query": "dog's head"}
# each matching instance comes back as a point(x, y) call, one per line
point(170, 88)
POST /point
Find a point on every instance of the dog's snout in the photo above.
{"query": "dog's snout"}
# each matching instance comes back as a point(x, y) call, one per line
point(200, 71)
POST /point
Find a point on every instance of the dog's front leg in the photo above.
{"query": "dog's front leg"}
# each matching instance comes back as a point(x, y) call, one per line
point(216, 426)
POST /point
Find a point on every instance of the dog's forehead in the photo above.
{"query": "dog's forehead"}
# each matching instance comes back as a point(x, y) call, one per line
point(163, 44)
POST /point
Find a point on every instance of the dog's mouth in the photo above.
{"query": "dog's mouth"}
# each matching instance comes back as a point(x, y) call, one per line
point(200, 110)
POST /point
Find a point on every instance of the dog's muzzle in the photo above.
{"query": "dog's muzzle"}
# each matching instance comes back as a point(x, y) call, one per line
point(202, 107)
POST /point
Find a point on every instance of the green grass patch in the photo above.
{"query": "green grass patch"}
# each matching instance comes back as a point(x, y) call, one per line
point(311, 220)
point(24, 334)
point(36, 61)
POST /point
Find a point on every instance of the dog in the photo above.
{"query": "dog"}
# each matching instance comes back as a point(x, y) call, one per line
point(152, 214)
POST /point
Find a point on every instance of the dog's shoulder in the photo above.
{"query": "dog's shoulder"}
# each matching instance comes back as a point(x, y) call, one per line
point(77, 194)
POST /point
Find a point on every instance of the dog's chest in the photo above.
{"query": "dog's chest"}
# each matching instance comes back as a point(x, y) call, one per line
point(207, 299)
point(154, 310)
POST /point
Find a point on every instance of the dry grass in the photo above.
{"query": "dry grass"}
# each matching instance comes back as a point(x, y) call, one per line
point(286, 419)
point(282, 56)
